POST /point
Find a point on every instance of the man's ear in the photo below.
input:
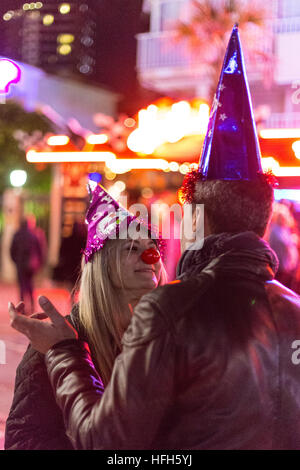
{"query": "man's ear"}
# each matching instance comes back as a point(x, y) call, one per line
point(199, 218)
point(194, 218)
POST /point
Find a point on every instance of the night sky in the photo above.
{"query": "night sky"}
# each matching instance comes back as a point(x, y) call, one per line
point(118, 21)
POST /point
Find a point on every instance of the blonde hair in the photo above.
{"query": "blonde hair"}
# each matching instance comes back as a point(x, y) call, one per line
point(103, 310)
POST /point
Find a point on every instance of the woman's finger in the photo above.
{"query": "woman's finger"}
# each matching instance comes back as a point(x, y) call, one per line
point(18, 322)
point(39, 316)
point(20, 307)
point(50, 310)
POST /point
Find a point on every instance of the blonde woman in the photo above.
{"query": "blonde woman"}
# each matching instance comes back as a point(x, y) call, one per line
point(116, 273)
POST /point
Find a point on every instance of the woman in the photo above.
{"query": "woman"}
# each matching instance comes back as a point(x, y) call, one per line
point(115, 275)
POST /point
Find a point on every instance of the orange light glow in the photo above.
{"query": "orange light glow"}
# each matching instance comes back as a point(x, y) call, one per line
point(97, 139)
point(58, 140)
point(270, 163)
point(59, 157)
point(296, 148)
point(280, 133)
point(167, 122)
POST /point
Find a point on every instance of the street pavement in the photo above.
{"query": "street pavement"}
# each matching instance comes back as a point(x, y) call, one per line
point(13, 344)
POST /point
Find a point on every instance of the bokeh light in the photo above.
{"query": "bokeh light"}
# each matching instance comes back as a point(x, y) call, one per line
point(48, 20)
point(18, 178)
point(64, 8)
point(65, 38)
point(64, 49)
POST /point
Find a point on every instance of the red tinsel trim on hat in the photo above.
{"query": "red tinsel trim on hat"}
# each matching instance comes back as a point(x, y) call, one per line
point(188, 186)
point(269, 178)
point(192, 177)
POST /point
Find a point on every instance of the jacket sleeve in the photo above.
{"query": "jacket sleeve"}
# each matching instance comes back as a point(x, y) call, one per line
point(127, 415)
point(35, 422)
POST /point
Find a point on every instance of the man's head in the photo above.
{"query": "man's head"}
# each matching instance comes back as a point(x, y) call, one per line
point(232, 206)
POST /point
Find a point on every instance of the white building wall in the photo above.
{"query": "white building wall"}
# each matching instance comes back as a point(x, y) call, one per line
point(70, 99)
point(169, 66)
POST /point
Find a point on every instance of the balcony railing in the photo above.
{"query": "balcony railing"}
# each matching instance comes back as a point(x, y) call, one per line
point(286, 25)
point(283, 121)
point(163, 50)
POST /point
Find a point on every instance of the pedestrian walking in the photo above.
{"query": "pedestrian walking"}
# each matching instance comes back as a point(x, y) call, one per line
point(26, 253)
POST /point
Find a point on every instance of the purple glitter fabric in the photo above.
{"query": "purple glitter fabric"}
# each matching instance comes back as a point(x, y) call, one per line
point(106, 220)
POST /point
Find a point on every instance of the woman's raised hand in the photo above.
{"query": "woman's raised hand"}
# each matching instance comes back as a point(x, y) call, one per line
point(42, 335)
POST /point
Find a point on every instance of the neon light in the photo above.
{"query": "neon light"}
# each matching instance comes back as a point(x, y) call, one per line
point(10, 73)
point(58, 140)
point(291, 194)
point(280, 133)
point(59, 157)
point(296, 148)
point(97, 139)
point(270, 163)
point(124, 165)
point(288, 171)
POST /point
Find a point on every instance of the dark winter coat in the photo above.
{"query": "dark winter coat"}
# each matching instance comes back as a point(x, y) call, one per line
point(208, 362)
point(24, 248)
point(35, 422)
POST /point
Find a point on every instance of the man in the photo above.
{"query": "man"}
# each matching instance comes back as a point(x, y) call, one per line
point(209, 361)
point(26, 253)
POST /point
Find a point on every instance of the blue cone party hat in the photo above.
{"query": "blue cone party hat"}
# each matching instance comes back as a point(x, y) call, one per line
point(231, 149)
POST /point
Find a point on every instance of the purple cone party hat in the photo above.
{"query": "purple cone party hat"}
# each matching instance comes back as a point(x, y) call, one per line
point(107, 219)
point(231, 148)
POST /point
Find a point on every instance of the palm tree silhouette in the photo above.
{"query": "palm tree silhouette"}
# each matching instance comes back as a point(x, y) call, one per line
point(209, 25)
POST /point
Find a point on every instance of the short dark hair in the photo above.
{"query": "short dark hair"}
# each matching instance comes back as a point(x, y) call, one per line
point(236, 206)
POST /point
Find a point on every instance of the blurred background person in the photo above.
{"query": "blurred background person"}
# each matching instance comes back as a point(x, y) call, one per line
point(283, 237)
point(41, 236)
point(26, 253)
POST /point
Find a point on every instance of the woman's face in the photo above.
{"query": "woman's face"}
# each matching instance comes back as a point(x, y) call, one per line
point(135, 273)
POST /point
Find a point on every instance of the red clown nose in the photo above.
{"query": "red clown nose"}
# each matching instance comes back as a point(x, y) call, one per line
point(150, 256)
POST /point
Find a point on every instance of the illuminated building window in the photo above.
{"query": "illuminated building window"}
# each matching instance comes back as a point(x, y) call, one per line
point(65, 38)
point(83, 7)
point(64, 8)
point(48, 20)
point(64, 49)
point(31, 6)
point(86, 59)
point(38, 5)
point(85, 68)
point(87, 41)
point(26, 6)
point(8, 15)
